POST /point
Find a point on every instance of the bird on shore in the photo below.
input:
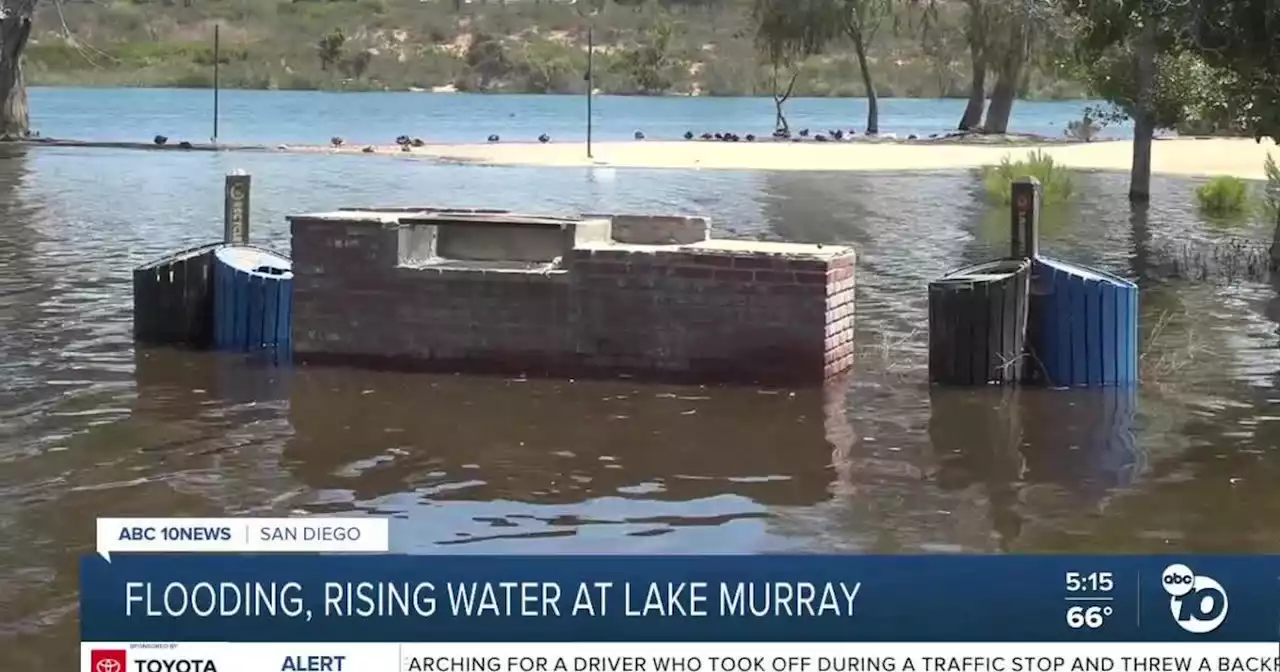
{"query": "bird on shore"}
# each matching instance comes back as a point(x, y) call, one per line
point(751, 138)
point(820, 137)
point(804, 132)
point(781, 134)
point(336, 141)
point(184, 145)
point(913, 136)
point(417, 142)
point(406, 148)
point(544, 138)
point(639, 135)
point(160, 140)
point(403, 140)
point(837, 134)
point(707, 136)
point(368, 149)
point(493, 137)
point(688, 135)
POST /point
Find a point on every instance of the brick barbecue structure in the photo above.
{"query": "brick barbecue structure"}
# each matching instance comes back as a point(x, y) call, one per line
point(596, 295)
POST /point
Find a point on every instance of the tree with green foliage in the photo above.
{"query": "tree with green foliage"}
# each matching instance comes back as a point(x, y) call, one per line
point(862, 20)
point(648, 63)
point(1166, 63)
point(798, 22)
point(1241, 37)
point(330, 47)
point(975, 33)
point(1002, 37)
point(1010, 31)
point(487, 59)
point(788, 32)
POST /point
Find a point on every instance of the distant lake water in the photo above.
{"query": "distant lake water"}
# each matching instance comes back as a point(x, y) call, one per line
point(271, 117)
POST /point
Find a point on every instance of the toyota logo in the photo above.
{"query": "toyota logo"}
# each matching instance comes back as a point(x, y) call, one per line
point(107, 665)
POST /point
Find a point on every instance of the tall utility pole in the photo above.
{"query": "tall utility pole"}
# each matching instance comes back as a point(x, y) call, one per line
point(217, 57)
point(591, 83)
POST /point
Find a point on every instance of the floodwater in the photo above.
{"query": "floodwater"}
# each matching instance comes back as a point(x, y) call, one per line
point(91, 426)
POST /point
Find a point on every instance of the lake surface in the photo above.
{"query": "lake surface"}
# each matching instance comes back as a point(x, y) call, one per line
point(91, 426)
point(272, 117)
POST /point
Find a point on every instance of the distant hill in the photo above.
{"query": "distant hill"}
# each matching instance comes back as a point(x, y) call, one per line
point(532, 46)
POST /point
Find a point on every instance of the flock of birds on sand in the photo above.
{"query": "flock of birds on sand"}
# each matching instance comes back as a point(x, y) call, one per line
point(161, 141)
point(407, 143)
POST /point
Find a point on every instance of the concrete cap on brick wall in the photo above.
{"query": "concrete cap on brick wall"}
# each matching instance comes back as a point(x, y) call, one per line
point(426, 208)
point(657, 229)
point(488, 218)
point(348, 216)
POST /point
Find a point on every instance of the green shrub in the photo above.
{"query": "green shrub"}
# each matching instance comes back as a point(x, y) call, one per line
point(1055, 180)
point(1223, 196)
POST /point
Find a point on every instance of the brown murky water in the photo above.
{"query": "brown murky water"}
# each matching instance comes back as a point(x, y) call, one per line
point(90, 426)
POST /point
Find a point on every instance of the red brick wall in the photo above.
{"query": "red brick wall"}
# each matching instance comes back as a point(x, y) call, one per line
point(715, 315)
point(839, 328)
point(703, 316)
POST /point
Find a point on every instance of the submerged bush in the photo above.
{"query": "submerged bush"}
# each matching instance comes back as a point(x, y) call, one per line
point(1223, 196)
point(1086, 128)
point(1055, 180)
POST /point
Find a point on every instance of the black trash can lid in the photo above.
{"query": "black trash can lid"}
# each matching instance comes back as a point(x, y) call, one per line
point(991, 271)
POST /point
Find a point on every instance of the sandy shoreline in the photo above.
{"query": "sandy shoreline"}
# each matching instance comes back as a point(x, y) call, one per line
point(1183, 156)
point(1178, 156)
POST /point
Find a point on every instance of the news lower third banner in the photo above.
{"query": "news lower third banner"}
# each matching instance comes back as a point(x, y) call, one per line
point(326, 595)
point(402, 598)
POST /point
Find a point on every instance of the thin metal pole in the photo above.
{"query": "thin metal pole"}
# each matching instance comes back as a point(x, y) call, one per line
point(591, 85)
point(217, 57)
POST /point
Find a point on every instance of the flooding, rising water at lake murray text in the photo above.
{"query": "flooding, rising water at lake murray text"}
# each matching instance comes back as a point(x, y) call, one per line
point(92, 426)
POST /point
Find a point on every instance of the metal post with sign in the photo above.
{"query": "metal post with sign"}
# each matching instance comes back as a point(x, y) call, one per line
point(1024, 234)
point(236, 209)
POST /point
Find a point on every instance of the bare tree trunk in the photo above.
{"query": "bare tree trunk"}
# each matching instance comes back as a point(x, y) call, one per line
point(873, 104)
point(977, 37)
point(972, 118)
point(1002, 97)
point(780, 119)
point(1143, 123)
point(15, 28)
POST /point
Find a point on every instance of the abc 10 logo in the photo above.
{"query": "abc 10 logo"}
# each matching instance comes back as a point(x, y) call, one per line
point(1198, 603)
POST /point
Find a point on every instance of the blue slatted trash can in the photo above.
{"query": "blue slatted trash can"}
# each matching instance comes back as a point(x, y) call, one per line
point(1082, 327)
point(253, 300)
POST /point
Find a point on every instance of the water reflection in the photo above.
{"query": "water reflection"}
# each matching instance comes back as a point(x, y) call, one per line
point(1035, 452)
point(545, 447)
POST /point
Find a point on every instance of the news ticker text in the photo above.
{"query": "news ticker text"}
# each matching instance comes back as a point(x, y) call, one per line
point(682, 657)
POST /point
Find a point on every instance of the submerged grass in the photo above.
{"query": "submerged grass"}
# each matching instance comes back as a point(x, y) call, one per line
point(1055, 181)
point(1178, 345)
point(1228, 261)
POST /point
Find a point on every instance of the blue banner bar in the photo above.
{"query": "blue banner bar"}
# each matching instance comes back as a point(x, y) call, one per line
point(399, 598)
